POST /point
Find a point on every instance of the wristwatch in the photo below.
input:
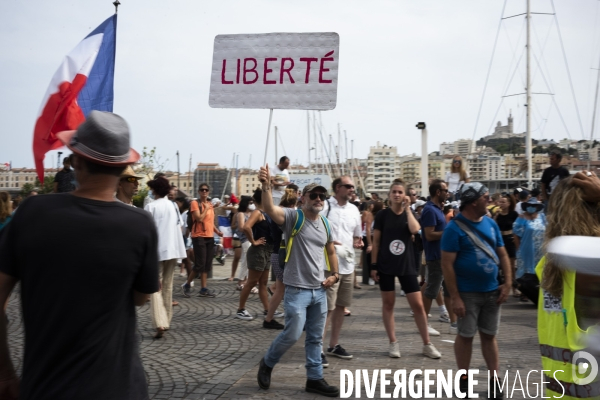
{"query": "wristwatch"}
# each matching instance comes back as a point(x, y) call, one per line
point(337, 276)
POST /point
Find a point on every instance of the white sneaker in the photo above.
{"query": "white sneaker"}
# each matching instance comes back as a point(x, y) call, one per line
point(430, 351)
point(192, 284)
point(279, 314)
point(454, 329)
point(394, 350)
point(402, 293)
point(245, 315)
point(445, 317)
point(371, 282)
point(412, 313)
point(432, 332)
point(183, 275)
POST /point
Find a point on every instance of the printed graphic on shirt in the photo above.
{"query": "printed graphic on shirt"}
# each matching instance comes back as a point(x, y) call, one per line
point(551, 303)
point(397, 247)
point(483, 261)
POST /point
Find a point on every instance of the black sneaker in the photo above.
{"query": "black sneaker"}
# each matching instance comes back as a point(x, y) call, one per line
point(204, 292)
point(338, 351)
point(463, 385)
point(272, 325)
point(320, 386)
point(324, 361)
point(495, 391)
point(264, 375)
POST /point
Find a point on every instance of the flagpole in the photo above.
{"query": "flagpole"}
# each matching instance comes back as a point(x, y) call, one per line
point(116, 3)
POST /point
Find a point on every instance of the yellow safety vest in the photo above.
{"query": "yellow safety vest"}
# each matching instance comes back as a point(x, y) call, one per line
point(560, 338)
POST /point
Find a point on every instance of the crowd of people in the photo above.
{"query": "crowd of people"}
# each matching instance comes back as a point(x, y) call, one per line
point(458, 244)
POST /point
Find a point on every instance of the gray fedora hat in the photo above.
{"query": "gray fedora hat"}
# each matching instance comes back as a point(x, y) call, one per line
point(102, 138)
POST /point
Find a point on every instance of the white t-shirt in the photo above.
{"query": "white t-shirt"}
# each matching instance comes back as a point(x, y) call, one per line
point(519, 208)
point(453, 181)
point(168, 224)
point(279, 176)
point(345, 226)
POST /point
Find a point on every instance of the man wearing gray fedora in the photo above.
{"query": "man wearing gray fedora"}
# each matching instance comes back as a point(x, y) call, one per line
point(80, 321)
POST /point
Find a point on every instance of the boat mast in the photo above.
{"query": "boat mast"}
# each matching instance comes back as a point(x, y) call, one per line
point(529, 105)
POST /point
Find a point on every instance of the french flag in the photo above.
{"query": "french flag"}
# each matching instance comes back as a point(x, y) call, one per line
point(82, 83)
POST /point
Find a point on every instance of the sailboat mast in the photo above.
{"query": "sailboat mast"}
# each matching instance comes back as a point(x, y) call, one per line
point(529, 105)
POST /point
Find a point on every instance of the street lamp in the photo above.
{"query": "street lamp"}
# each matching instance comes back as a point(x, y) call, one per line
point(424, 159)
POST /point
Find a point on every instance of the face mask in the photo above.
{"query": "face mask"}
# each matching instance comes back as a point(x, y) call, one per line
point(151, 194)
point(531, 210)
point(251, 207)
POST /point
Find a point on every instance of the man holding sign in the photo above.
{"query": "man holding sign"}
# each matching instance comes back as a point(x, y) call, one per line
point(305, 301)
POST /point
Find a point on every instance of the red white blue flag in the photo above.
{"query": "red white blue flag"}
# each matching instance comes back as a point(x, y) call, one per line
point(83, 82)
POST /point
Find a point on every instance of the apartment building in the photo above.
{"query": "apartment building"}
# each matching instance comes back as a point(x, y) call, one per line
point(383, 166)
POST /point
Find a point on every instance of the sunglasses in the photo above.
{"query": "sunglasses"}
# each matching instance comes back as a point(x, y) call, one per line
point(348, 186)
point(131, 179)
point(444, 190)
point(313, 196)
point(457, 162)
point(203, 190)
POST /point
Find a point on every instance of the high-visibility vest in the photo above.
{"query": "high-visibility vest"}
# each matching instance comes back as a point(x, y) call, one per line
point(560, 338)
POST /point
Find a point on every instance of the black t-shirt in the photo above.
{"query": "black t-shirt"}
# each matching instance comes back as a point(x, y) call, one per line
point(65, 181)
point(505, 222)
point(79, 261)
point(551, 176)
point(396, 253)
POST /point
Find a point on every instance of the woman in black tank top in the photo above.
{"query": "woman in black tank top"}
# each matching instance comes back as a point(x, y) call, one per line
point(257, 230)
point(505, 219)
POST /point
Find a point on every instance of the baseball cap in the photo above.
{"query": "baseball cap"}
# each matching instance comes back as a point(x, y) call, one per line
point(312, 186)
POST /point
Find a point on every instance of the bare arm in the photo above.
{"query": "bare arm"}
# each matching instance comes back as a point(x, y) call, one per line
point(275, 212)
point(9, 382)
point(507, 271)
point(543, 191)
point(55, 187)
point(254, 218)
point(140, 299)
point(448, 260)
point(432, 235)
point(374, 253)
point(333, 264)
point(201, 215)
point(241, 221)
point(413, 224)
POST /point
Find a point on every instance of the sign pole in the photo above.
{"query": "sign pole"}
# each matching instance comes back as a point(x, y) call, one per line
point(268, 133)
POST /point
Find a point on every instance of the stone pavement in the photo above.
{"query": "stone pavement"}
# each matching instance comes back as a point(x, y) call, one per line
point(209, 354)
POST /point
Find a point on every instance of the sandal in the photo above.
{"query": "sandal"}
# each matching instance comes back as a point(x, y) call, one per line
point(159, 333)
point(175, 303)
point(347, 312)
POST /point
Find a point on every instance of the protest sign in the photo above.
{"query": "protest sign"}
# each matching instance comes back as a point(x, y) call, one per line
point(275, 71)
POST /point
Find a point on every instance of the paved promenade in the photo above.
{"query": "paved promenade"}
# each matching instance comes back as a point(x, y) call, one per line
point(209, 354)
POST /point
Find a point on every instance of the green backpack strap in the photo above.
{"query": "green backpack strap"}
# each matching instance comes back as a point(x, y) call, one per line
point(297, 227)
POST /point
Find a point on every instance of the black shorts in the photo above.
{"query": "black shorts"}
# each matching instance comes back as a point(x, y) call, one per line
point(409, 283)
point(509, 245)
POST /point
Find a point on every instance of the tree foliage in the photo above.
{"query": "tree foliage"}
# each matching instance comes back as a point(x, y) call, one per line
point(48, 186)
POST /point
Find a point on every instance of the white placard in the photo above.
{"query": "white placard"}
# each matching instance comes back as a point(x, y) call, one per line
point(275, 70)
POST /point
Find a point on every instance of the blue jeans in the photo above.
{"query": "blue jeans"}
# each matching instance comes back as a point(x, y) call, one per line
point(302, 307)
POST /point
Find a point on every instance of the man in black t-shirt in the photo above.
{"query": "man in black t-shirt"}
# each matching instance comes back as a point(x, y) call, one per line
point(64, 181)
point(80, 324)
point(554, 173)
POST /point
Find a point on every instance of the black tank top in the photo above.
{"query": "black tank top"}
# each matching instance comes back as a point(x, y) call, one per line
point(262, 229)
point(505, 222)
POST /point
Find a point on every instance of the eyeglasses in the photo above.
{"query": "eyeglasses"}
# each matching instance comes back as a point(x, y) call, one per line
point(203, 190)
point(313, 196)
point(347, 186)
point(457, 162)
point(131, 179)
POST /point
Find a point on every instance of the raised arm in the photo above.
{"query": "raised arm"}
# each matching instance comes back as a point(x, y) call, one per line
point(275, 212)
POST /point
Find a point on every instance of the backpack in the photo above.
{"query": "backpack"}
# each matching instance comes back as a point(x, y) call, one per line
point(286, 249)
point(190, 217)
